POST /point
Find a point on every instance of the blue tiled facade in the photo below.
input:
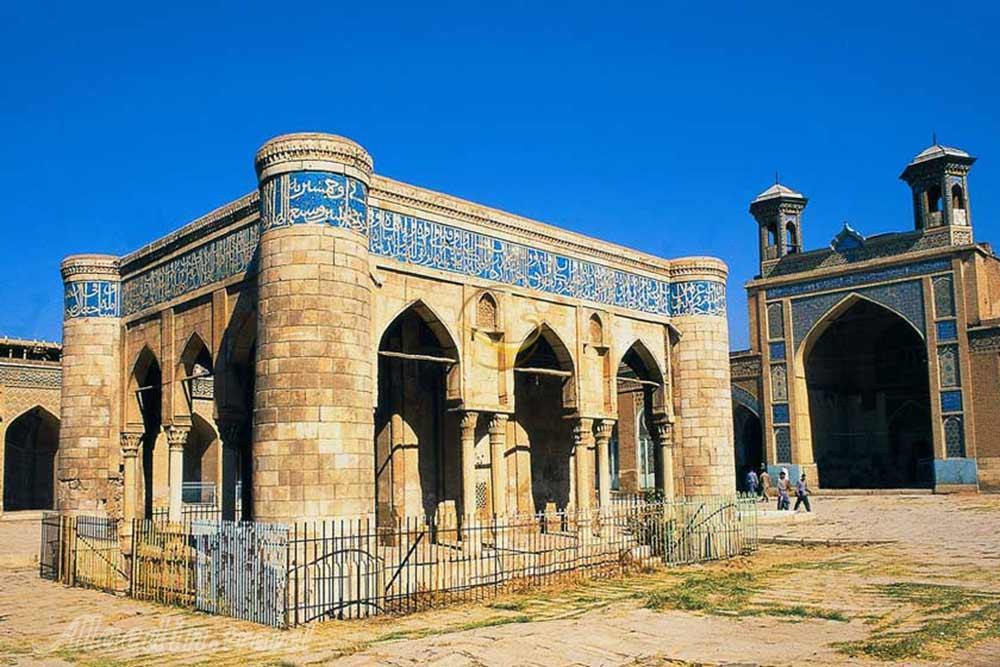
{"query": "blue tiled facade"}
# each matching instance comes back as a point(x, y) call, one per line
point(777, 351)
point(947, 330)
point(324, 198)
point(951, 401)
point(92, 298)
point(905, 298)
point(746, 399)
point(856, 279)
point(780, 413)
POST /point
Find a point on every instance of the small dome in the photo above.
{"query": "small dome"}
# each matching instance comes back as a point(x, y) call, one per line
point(937, 150)
point(778, 190)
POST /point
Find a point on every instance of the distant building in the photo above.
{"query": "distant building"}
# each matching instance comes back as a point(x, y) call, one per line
point(875, 361)
point(30, 384)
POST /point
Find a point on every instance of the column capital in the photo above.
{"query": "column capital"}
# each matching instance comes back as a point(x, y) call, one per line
point(663, 430)
point(177, 436)
point(130, 441)
point(605, 427)
point(498, 422)
point(469, 420)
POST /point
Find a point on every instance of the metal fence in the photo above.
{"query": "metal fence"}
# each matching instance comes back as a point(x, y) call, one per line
point(83, 551)
point(291, 575)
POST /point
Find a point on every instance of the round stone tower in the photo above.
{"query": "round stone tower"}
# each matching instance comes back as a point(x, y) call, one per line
point(313, 423)
point(704, 428)
point(91, 365)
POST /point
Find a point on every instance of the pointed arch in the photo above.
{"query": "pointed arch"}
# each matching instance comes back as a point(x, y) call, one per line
point(194, 365)
point(638, 366)
point(805, 343)
point(442, 344)
point(195, 353)
point(30, 448)
point(144, 388)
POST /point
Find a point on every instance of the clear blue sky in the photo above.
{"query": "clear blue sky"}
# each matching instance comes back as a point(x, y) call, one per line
point(651, 126)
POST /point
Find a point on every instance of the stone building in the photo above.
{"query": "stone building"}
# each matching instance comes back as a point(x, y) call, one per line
point(30, 380)
point(875, 361)
point(341, 344)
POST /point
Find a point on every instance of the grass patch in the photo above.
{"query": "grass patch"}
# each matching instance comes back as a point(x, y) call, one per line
point(949, 617)
point(729, 594)
point(509, 605)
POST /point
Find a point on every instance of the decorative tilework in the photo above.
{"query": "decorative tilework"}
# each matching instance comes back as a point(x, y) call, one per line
point(948, 366)
point(951, 401)
point(947, 330)
point(783, 444)
point(944, 296)
point(314, 197)
point(14, 374)
point(906, 299)
point(222, 258)
point(323, 198)
point(777, 351)
point(92, 298)
point(779, 383)
point(779, 411)
point(439, 246)
point(775, 321)
point(855, 279)
point(746, 399)
point(954, 436)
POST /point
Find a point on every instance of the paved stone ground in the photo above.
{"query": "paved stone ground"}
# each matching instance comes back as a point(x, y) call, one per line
point(787, 605)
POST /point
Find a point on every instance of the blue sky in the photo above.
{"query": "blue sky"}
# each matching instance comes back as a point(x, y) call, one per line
point(650, 125)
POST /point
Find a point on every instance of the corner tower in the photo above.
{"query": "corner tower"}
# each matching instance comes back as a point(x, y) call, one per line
point(91, 364)
point(938, 177)
point(312, 443)
point(778, 211)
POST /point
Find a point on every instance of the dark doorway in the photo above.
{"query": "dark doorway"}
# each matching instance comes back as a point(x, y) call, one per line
point(749, 438)
point(149, 394)
point(414, 471)
point(869, 400)
point(30, 448)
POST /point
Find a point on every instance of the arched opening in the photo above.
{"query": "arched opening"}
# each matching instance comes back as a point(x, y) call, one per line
point(543, 399)
point(934, 199)
point(869, 401)
point(748, 434)
point(417, 473)
point(146, 400)
point(639, 383)
point(30, 447)
point(957, 197)
point(201, 463)
point(791, 240)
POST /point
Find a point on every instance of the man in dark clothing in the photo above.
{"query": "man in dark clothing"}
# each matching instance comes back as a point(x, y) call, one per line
point(802, 494)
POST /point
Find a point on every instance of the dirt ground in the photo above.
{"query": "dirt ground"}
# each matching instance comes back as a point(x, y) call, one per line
point(897, 580)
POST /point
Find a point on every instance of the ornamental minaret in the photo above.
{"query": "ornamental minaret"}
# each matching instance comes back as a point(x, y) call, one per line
point(91, 363)
point(313, 423)
point(702, 394)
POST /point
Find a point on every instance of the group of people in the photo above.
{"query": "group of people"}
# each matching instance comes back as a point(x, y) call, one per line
point(760, 485)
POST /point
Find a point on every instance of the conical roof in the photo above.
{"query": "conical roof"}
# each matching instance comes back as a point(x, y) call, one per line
point(778, 190)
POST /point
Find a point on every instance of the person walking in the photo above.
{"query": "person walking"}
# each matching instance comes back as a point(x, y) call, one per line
point(802, 494)
point(784, 486)
point(751, 481)
point(764, 483)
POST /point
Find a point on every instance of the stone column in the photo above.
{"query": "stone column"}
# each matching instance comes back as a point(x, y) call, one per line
point(663, 432)
point(498, 463)
point(582, 438)
point(131, 441)
point(176, 439)
point(231, 432)
point(89, 429)
point(313, 428)
point(468, 438)
point(605, 427)
point(701, 382)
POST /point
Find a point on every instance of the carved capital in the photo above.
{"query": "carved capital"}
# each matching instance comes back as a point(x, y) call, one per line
point(131, 440)
point(605, 427)
point(582, 431)
point(498, 424)
point(469, 421)
point(177, 436)
point(663, 431)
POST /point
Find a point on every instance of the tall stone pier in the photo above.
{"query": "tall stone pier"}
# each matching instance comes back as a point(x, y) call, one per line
point(701, 377)
point(91, 361)
point(313, 422)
